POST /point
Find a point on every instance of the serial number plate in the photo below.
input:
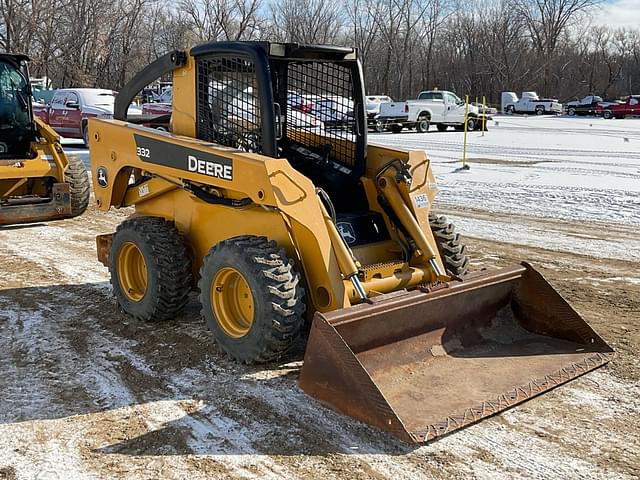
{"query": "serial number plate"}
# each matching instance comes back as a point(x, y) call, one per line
point(421, 200)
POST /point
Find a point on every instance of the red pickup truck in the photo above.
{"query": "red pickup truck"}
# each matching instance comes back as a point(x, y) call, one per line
point(158, 115)
point(630, 107)
point(70, 108)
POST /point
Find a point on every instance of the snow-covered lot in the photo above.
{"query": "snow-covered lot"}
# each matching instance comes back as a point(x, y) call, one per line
point(89, 393)
point(569, 169)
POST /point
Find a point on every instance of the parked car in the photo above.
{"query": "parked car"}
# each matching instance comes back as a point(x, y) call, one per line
point(70, 110)
point(157, 115)
point(373, 110)
point(156, 108)
point(42, 95)
point(373, 104)
point(240, 110)
point(604, 105)
point(488, 110)
point(432, 107)
point(529, 103)
point(333, 112)
point(585, 106)
point(300, 102)
point(629, 108)
point(166, 96)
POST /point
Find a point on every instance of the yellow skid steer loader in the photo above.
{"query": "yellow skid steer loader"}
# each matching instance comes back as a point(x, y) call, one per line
point(38, 182)
point(268, 197)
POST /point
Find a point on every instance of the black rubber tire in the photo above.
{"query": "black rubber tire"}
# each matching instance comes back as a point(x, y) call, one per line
point(395, 128)
point(169, 276)
point(539, 110)
point(452, 250)
point(510, 110)
point(607, 114)
point(378, 126)
point(571, 111)
point(422, 125)
point(79, 186)
point(277, 297)
point(85, 133)
point(471, 124)
point(442, 128)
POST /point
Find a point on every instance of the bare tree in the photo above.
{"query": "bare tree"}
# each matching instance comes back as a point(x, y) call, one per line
point(307, 21)
point(546, 22)
point(223, 19)
point(479, 48)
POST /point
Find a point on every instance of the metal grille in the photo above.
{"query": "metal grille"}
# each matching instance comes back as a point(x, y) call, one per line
point(228, 102)
point(320, 110)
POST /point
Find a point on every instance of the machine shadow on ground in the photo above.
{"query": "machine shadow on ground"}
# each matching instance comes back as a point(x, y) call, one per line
point(61, 341)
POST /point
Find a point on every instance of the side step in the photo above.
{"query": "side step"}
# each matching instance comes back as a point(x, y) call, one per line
point(422, 365)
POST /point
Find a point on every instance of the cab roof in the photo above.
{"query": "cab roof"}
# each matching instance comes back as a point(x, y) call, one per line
point(277, 50)
point(14, 57)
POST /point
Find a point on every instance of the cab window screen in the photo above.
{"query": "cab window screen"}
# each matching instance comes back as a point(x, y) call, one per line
point(228, 102)
point(320, 110)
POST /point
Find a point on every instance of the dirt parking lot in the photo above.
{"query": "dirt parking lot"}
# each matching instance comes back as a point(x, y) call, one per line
point(89, 393)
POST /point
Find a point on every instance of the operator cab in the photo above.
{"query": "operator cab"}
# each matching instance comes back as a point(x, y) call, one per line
point(16, 117)
point(302, 103)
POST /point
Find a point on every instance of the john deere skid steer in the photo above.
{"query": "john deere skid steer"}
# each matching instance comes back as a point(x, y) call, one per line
point(267, 196)
point(38, 182)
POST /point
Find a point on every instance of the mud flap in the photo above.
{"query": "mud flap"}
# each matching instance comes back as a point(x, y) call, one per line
point(26, 210)
point(421, 365)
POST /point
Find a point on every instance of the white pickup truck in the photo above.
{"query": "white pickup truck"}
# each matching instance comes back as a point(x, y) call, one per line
point(432, 107)
point(529, 103)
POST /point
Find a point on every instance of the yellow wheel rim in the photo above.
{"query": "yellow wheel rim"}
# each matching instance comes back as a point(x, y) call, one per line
point(232, 302)
point(132, 272)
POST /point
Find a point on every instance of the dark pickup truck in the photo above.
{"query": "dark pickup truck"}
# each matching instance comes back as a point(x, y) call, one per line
point(586, 106)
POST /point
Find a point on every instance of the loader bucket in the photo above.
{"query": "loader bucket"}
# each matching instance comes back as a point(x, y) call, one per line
point(31, 210)
point(422, 365)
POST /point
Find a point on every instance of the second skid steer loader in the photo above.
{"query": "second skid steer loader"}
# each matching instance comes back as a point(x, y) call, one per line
point(275, 209)
point(38, 182)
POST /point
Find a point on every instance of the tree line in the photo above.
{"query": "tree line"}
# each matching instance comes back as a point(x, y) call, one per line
point(478, 48)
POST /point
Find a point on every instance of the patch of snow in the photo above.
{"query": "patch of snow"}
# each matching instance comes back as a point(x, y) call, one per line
point(519, 234)
point(558, 167)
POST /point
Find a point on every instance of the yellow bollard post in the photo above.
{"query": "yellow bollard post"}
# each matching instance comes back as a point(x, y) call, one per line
point(484, 115)
point(464, 148)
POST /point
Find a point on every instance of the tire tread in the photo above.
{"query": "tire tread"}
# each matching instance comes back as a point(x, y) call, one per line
point(80, 189)
point(283, 290)
point(170, 263)
point(451, 249)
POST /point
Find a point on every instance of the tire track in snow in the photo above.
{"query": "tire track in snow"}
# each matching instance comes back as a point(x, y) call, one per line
point(418, 141)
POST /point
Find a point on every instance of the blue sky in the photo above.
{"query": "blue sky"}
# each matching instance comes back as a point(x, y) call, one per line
point(619, 13)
